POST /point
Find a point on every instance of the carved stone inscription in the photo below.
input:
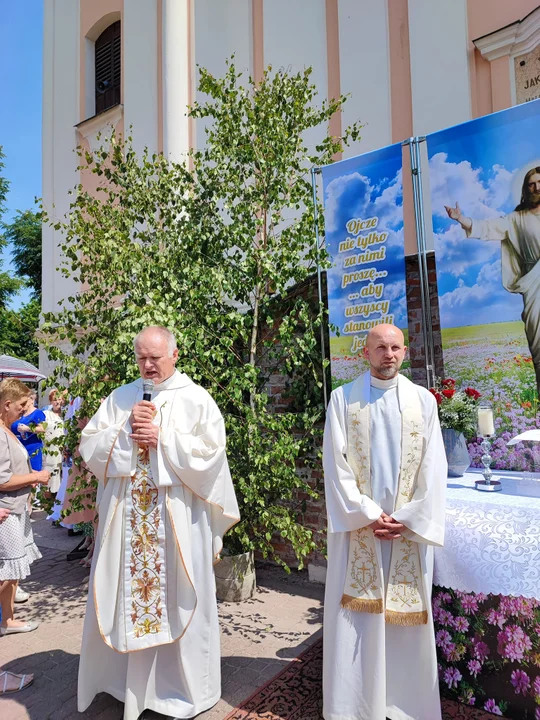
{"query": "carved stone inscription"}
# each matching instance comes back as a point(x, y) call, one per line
point(527, 74)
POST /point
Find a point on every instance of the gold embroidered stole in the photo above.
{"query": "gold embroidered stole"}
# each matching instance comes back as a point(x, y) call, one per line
point(364, 587)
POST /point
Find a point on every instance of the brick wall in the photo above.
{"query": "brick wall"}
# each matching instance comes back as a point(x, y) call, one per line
point(414, 312)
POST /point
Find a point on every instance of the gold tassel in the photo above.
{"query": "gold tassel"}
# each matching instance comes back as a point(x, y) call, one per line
point(406, 619)
point(348, 602)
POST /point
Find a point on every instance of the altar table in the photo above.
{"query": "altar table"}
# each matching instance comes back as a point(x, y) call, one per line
point(486, 599)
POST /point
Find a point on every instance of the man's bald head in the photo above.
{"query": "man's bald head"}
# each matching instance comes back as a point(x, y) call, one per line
point(385, 350)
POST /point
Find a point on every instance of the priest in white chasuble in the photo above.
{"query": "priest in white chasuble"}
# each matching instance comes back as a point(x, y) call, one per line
point(165, 500)
point(385, 481)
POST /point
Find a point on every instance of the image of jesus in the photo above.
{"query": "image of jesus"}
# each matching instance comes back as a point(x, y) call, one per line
point(519, 235)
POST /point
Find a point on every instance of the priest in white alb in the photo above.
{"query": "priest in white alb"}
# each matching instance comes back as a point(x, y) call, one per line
point(165, 500)
point(385, 481)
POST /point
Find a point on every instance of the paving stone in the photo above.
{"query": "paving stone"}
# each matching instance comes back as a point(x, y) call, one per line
point(258, 637)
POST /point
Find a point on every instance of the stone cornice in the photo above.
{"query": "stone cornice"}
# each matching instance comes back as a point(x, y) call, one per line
point(513, 40)
point(90, 129)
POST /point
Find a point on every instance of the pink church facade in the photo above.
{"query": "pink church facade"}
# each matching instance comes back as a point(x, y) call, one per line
point(410, 67)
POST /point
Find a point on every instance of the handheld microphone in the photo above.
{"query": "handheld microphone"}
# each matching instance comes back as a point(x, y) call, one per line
point(148, 386)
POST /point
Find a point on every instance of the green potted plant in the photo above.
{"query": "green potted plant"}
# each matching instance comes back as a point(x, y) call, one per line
point(458, 415)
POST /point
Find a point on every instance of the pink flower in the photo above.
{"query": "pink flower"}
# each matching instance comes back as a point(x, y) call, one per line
point(536, 685)
point(445, 617)
point(513, 643)
point(470, 604)
point(518, 607)
point(492, 707)
point(454, 653)
point(442, 638)
point(452, 676)
point(537, 714)
point(461, 624)
point(521, 682)
point(495, 618)
point(474, 667)
point(480, 650)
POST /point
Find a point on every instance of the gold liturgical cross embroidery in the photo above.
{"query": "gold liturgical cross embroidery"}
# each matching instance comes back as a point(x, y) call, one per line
point(145, 564)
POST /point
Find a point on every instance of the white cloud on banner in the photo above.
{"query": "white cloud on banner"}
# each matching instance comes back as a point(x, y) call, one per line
point(334, 215)
point(456, 253)
point(386, 206)
point(451, 182)
point(467, 301)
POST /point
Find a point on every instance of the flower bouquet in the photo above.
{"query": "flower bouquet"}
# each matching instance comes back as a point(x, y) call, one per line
point(458, 409)
point(458, 415)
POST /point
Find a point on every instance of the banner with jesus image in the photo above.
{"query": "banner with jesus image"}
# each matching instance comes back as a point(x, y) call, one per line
point(485, 196)
point(363, 215)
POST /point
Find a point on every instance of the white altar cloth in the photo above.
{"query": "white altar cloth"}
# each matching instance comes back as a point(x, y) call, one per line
point(492, 541)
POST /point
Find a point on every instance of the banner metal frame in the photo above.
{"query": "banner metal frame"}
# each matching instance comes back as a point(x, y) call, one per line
point(314, 172)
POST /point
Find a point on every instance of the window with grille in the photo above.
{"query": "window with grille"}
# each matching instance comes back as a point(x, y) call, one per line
point(108, 68)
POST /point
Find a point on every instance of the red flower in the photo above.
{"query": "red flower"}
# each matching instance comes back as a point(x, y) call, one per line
point(449, 383)
point(472, 393)
point(449, 392)
point(437, 395)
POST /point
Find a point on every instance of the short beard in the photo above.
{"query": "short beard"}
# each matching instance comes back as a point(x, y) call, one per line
point(388, 372)
point(534, 200)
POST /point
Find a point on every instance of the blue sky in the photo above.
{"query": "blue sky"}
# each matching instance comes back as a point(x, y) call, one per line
point(21, 47)
point(366, 186)
point(480, 165)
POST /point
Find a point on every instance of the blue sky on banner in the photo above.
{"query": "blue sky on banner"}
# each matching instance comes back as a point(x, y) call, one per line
point(481, 165)
point(363, 187)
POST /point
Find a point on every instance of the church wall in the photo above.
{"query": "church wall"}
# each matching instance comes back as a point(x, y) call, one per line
point(140, 73)
point(365, 72)
point(439, 67)
point(219, 31)
point(60, 115)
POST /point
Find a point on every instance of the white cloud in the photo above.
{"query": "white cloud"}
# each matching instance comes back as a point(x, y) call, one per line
point(456, 253)
point(480, 303)
point(460, 182)
point(334, 191)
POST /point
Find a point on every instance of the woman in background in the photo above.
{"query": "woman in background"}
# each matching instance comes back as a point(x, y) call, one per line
point(29, 429)
point(17, 548)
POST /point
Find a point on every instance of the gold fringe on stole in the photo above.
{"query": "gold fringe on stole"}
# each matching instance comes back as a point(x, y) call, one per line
point(348, 602)
point(406, 619)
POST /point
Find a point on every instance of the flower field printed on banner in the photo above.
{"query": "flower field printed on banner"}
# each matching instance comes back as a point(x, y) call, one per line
point(495, 360)
point(488, 649)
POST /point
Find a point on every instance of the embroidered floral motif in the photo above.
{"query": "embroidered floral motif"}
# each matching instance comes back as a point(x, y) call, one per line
point(412, 462)
point(363, 481)
point(364, 571)
point(404, 582)
point(145, 565)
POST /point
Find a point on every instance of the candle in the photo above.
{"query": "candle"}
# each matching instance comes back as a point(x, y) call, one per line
point(485, 421)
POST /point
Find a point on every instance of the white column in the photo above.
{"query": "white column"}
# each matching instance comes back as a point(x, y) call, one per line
point(176, 69)
point(140, 59)
point(440, 82)
point(61, 70)
point(363, 43)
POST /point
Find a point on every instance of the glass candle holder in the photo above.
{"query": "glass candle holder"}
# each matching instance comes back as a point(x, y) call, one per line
point(486, 428)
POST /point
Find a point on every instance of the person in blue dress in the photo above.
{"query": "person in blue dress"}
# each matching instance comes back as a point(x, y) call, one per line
point(29, 431)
